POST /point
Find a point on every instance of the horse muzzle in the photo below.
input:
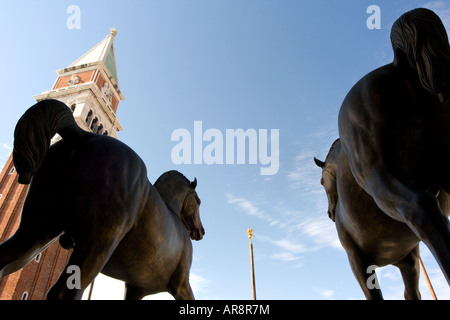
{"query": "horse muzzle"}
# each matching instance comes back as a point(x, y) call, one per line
point(197, 234)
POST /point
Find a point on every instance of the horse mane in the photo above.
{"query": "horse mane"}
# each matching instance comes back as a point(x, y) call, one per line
point(168, 174)
point(421, 36)
point(333, 146)
point(335, 143)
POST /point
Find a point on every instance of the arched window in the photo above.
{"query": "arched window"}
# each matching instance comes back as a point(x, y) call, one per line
point(12, 170)
point(73, 107)
point(105, 133)
point(89, 118)
point(100, 129)
point(94, 125)
point(24, 296)
point(38, 257)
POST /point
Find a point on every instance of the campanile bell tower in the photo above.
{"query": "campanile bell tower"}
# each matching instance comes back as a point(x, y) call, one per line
point(90, 87)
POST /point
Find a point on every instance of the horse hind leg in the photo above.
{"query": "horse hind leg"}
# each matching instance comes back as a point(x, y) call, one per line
point(410, 271)
point(21, 248)
point(86, 262)
point(428, 222)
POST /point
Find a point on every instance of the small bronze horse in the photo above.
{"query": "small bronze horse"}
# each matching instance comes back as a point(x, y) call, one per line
point(92, 192)
point(369, 236)
point(395, 149)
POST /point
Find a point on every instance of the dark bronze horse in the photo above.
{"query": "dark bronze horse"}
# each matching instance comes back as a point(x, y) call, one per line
point(92, 192)
point(395, 149)
point(378, 239)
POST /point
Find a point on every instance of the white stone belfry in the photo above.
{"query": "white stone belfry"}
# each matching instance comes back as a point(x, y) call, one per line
point(90, 87)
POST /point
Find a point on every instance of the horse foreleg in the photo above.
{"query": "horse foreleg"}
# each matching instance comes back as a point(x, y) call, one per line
point(362, 266)
point(179, 286)
point(133, 292)
point(410, 270)
point(364, 272)
point(183, 292)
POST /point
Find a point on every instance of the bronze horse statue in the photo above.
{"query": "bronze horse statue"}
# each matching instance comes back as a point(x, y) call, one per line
point(92, 192)
point(379, 239)
point(395, 149)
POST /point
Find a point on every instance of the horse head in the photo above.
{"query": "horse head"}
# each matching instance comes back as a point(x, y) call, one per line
point(180, 196)
point(328, 179)
point(190, 213)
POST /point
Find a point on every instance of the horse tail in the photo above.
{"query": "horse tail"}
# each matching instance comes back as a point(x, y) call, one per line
point(33, 133)
point(421, 36)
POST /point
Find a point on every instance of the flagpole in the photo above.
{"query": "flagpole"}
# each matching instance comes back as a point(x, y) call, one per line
point(430, 286)
point(91, 289)
point(250, 236)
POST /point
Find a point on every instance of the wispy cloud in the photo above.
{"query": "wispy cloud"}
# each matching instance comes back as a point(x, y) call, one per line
point(306, 227)
point(305, 175)
point(199, 284)
point(318, 232)
point(290, 250)
point(285, 256)
point(250, 208)
point(7, 147)
point(290, 246)
point(322, 231)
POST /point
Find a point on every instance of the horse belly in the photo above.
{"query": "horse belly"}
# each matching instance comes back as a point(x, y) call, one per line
point(145, 257)
point(138, 267)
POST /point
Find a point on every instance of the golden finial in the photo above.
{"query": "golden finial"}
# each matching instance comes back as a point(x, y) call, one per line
point(113, 31)
point(250, 233)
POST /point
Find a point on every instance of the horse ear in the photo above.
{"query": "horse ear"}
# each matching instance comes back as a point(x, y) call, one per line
point(319, 163)
point(194, 183)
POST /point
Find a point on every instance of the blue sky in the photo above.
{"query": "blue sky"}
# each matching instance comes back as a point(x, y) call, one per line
point(252, 64)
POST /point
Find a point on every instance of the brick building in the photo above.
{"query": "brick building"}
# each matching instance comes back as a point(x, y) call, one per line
point(90, 87)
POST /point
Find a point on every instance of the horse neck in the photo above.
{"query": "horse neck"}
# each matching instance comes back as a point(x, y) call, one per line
point(174, 205)
point(173, 199)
